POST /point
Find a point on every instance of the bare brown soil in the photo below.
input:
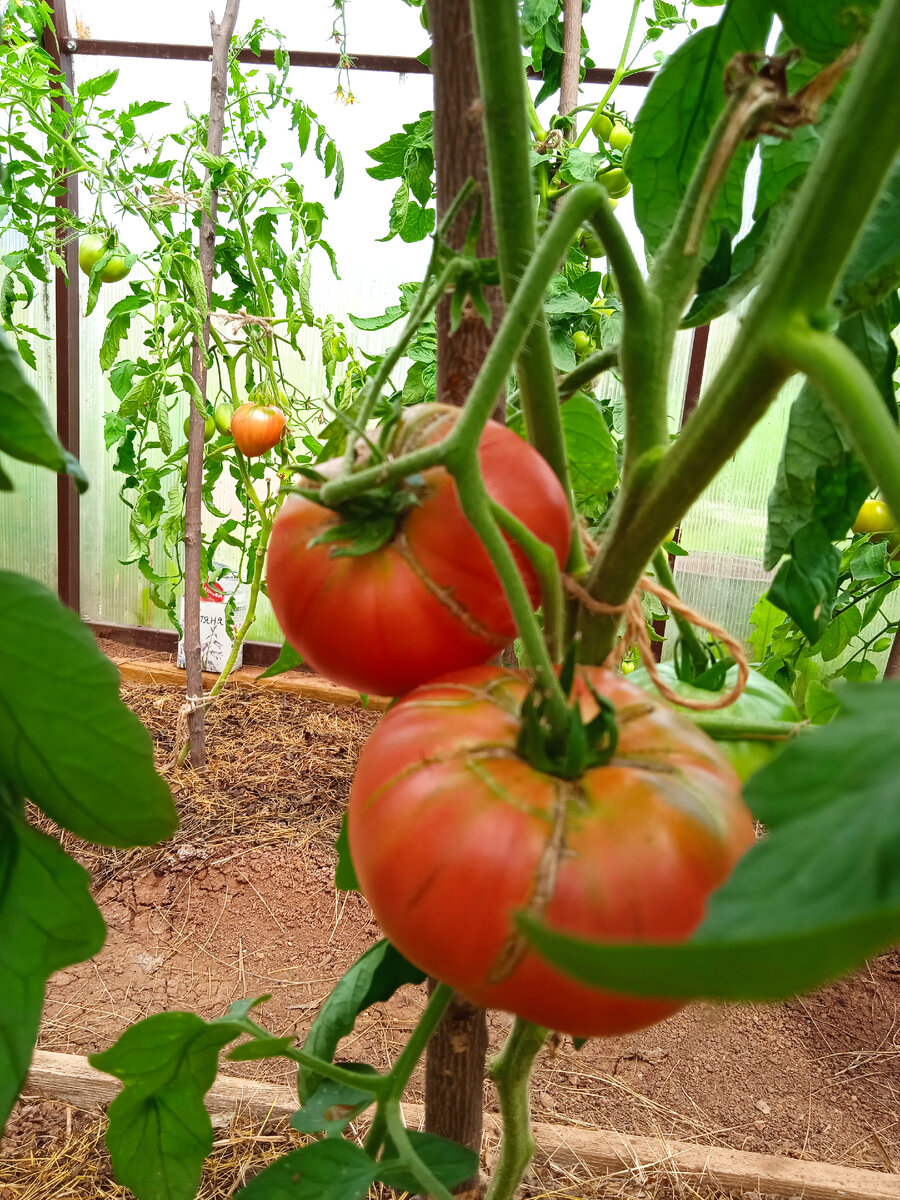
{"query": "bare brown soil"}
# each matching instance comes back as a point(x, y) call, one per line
point(242, 903)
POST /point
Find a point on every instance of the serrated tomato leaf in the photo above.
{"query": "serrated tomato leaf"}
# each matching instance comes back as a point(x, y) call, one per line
point(680, 109)
point(813, 899)
point(332, 1105)
point(47, 922)
point(451, 1163)
point(288, 659)
point(374, 977)
point(67, 741)
point(159, 1130)
point(26, 431)
point(329, 1170)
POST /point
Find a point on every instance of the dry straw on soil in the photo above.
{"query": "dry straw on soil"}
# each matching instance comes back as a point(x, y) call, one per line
point(278, 771)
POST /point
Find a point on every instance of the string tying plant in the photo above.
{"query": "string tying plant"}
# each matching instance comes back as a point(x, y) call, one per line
point(635, 634)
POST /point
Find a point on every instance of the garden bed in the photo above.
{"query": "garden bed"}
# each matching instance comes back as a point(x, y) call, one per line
point(241, 903)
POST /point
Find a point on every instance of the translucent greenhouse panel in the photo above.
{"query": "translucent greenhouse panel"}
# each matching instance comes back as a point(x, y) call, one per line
point(373, 26)
point(370, 272)
point(28, 513)
point(725, 531)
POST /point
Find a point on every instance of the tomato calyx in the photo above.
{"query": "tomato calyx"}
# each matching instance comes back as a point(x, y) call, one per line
point(367, 523)
point(579, 746)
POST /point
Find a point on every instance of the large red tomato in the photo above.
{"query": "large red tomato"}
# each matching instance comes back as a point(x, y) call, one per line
point(429, 600)
point(452, 832)
point(256, 428)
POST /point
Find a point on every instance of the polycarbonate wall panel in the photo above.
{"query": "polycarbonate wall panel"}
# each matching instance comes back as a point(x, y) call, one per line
point(370, 272)
point(725, 531)
point(28, 513)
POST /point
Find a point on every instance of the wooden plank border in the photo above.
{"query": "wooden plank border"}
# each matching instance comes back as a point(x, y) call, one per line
point(306, 687)
point(70, 1078)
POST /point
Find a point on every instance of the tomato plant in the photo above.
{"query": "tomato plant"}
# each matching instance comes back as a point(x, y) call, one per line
point(630, 849)
point(426, 599)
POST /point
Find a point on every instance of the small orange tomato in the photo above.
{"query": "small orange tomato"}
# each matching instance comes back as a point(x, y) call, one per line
point(256, 428)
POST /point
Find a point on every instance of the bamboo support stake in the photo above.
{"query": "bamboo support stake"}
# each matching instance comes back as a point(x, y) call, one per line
point(193, 502)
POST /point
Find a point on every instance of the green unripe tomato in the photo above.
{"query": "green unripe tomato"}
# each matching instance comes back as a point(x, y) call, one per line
point(627, 668)
point(598, 311)
point(615, 181)
point(583, 343)
point(91, 250)
point(620, 137)
point(608, 285)
point(603, 128)
point(591, 244)
point(222, 416)
point(209, 427)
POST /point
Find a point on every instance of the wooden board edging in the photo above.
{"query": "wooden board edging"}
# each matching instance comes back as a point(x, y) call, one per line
point(307, 687)
point(69, 1077)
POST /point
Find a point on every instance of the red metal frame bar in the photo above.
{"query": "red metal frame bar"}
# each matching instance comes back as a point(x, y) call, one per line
point(68, 397)
point(395, 64)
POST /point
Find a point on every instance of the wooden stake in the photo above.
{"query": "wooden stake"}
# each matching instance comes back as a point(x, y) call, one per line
point(571, 64)
point(193, 500)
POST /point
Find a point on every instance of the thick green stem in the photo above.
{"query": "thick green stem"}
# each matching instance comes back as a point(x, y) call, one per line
point(587, 370)
point(645, 351)
point(476, 504)
point(426, 1178)
point(543, 560)
point(511, 1072)
point(853, 397)
point(399, 1074)
point(807, 259)
point(498, 50)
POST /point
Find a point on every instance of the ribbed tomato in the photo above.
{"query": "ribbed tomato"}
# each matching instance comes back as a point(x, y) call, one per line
point(429, 600)
point(256, 428)
point(452, 832)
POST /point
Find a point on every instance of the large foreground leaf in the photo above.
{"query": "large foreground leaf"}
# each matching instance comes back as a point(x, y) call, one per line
point(67, 742)
point(812, 900)
point(329, 1170)
point(47, 922)
point(683, 103)
point(159, 1130)
point(25, 429)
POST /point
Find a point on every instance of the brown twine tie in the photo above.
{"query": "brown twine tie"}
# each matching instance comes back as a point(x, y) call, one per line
point(635, 634)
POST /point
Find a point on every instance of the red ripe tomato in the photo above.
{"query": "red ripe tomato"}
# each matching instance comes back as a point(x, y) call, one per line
point(256, 428)
point(429, 600)
point(452, 832)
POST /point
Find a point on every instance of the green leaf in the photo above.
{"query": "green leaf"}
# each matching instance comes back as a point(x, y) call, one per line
point(99, 85)
point(744, 262)
point(159, 1130)
point(373, 978)
point(392, 314)
point(764, 620)
point(48, 922)
point(26, 432)
point(329, 1170)
point(812, 900)
point(344, 873)
point(451, 1163)
point(821, 703)
point(590, 447)
point(823, 29)
point(535, 15)
point(67, 741)
point(332, 1105)
point(806, 583)
point(840, 633)
point(680, 109)
point(287, 660)
point(874, 268)
point(303, 292)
